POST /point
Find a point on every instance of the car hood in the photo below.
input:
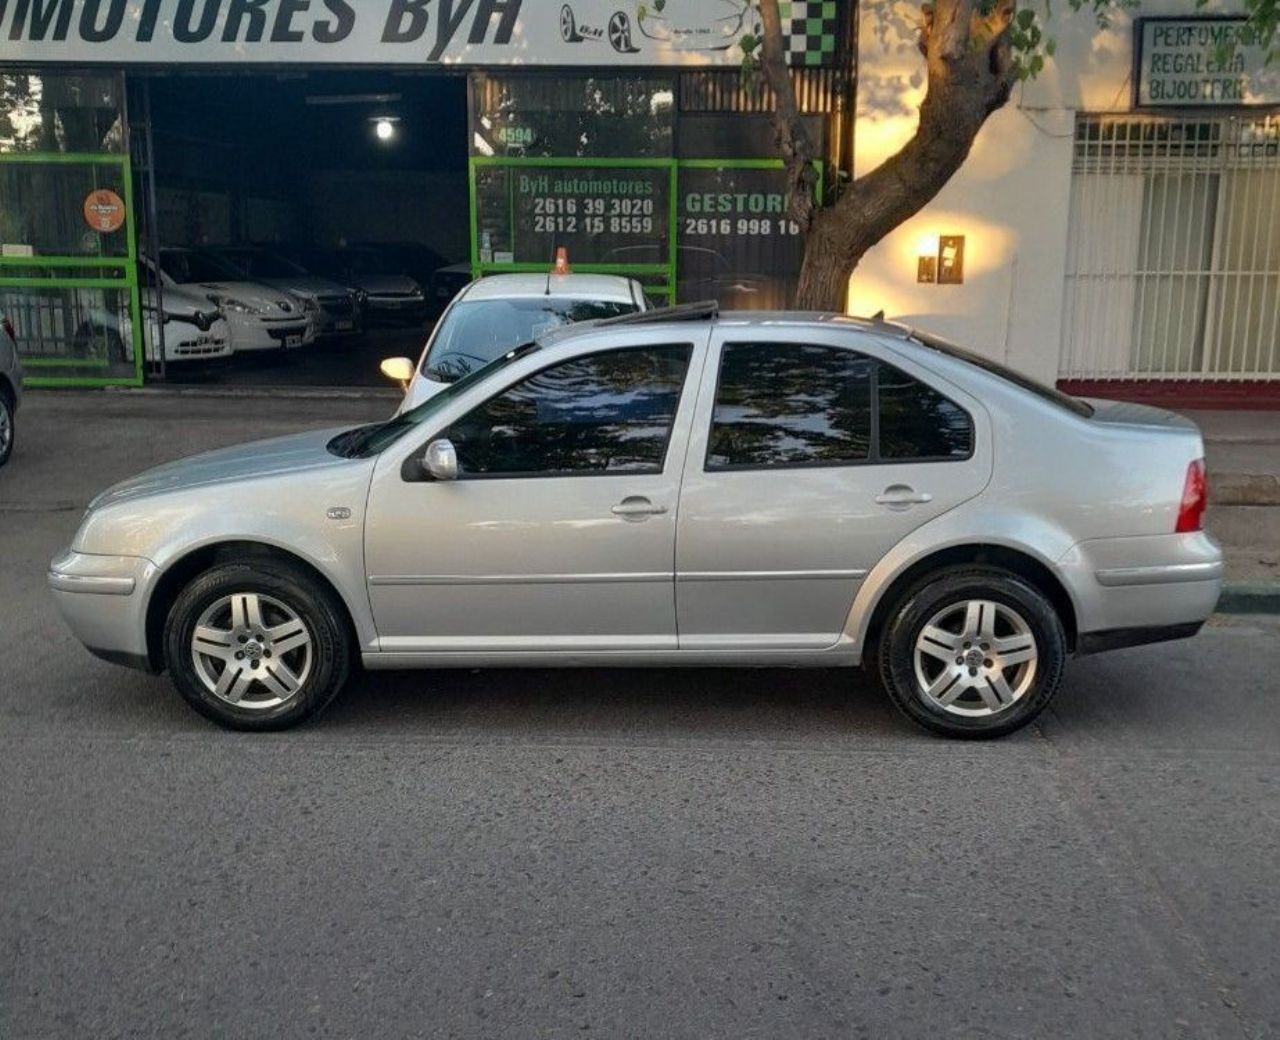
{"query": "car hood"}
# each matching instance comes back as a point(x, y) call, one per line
point(308, 285)
point(264, 297)
point(185, 302)
point(385, 283)
point(299, 451)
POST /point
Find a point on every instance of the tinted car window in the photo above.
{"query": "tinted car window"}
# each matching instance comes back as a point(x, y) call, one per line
point(605, 413)
point(477, 331)
point(780, 404)
point(917, 422)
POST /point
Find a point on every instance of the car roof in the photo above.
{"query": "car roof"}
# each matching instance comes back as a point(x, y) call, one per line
point(609, 288)
point(706, 314)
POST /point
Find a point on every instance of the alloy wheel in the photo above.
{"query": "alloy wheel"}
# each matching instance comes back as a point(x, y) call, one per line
point(252, 651)
point(975, 658)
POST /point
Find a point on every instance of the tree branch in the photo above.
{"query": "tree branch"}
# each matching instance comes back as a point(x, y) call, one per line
point(794, 145)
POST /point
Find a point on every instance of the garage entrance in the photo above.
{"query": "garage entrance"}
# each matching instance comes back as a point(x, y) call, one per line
point(293, 227)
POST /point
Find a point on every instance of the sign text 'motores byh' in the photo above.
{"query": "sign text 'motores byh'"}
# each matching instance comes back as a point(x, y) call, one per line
point(364, 32)
point(258, 21)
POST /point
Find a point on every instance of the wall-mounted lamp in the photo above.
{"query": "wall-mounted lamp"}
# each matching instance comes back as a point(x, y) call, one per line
point(941, 260)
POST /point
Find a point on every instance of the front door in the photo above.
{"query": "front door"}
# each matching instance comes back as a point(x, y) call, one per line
point(559, 533)
point(808, 462)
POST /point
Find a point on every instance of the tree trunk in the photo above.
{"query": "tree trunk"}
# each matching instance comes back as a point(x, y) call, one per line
point(970, 75)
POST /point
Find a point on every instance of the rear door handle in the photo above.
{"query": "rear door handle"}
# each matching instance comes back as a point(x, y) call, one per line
point(902, 496)
point(637, 507)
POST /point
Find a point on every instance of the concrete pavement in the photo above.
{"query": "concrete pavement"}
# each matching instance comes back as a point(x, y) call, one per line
point(613, 853)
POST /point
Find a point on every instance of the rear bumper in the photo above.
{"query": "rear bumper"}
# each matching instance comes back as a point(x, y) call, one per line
point(1143, 589)
point(102, 600)
point(1119, 638)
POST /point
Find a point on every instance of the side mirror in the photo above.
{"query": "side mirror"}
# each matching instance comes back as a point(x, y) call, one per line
point(398, 369)
point(441, 461)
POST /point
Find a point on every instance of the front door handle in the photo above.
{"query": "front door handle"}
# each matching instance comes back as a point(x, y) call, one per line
point(902, 496)
point(637, 507)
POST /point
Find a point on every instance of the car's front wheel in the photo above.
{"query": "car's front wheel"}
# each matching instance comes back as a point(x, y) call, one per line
point(257, 645)
point(972, 652)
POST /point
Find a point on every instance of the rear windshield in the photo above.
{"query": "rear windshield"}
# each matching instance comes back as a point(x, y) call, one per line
point(1045, 393)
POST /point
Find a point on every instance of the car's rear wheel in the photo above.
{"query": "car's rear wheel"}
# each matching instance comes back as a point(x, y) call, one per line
point(7, 429)
point(257, 646)
point(972, 652)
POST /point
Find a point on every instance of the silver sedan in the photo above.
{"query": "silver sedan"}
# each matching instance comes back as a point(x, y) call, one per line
point(674, 488)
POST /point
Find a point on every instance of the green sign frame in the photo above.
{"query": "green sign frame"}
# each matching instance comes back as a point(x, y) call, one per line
point(62, 275)
point(673, 166)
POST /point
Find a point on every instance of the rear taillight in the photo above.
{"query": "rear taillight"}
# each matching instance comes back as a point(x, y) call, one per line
point(1195, 496)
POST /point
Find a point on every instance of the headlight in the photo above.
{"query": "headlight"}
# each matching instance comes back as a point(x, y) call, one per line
point(204, 322)
point(416, 292)
point(235, 306)
point(362, 297)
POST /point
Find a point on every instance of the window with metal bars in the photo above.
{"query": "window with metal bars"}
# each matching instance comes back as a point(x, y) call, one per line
point(1173, 252)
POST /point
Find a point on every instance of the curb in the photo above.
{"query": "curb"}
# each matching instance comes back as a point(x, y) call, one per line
point(371, 393)
point(1249, 597)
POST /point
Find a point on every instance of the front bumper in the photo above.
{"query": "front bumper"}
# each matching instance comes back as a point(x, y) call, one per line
point(254, 333)
point(396, 309)
point(103, 601)
point(1130, 590)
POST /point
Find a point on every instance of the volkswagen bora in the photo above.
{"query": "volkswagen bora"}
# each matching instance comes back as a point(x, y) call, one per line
point(672, 487)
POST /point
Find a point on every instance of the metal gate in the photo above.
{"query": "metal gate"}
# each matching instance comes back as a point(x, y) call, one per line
point(1173, 252)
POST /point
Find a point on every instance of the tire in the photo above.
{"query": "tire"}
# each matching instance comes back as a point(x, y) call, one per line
point(568, 25)
point(274, 683)
point(972, 652)
point(620, 33)
point(8, 429)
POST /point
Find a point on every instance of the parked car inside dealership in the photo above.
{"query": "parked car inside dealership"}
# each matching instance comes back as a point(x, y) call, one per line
point(492, 315)
point(260, 317)
point(419, 262)
point(668, 488)
point(337, 310)
point(10, 387)
point(194, 328)
point(387, 296)
point(446, 282)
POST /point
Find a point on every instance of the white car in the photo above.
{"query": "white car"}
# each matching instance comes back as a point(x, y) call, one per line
point(259, 317)
point(194, 327)
point(492, 315)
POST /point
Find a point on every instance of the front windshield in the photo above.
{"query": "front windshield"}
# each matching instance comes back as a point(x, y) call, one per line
point(188, 265)
point(476, 332)
point(370, 440)
point(366, 261)
point(262, 264)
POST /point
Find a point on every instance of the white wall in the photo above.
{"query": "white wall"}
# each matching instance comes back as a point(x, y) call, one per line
point(1011, 199)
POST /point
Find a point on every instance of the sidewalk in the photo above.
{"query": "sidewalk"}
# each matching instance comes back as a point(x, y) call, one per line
point(1242, 453)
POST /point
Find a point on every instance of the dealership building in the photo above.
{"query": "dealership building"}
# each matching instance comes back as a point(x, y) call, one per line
point(1116, 228)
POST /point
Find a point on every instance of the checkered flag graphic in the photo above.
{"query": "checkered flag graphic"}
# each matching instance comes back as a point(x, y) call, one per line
point(809, 29)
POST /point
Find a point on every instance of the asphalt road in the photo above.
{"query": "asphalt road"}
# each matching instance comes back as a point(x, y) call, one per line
point(619, 854)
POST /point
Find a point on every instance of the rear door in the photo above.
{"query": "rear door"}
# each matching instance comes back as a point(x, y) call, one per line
point(813, 452)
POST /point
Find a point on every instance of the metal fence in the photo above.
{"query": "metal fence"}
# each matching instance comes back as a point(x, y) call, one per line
point(1173, 253)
